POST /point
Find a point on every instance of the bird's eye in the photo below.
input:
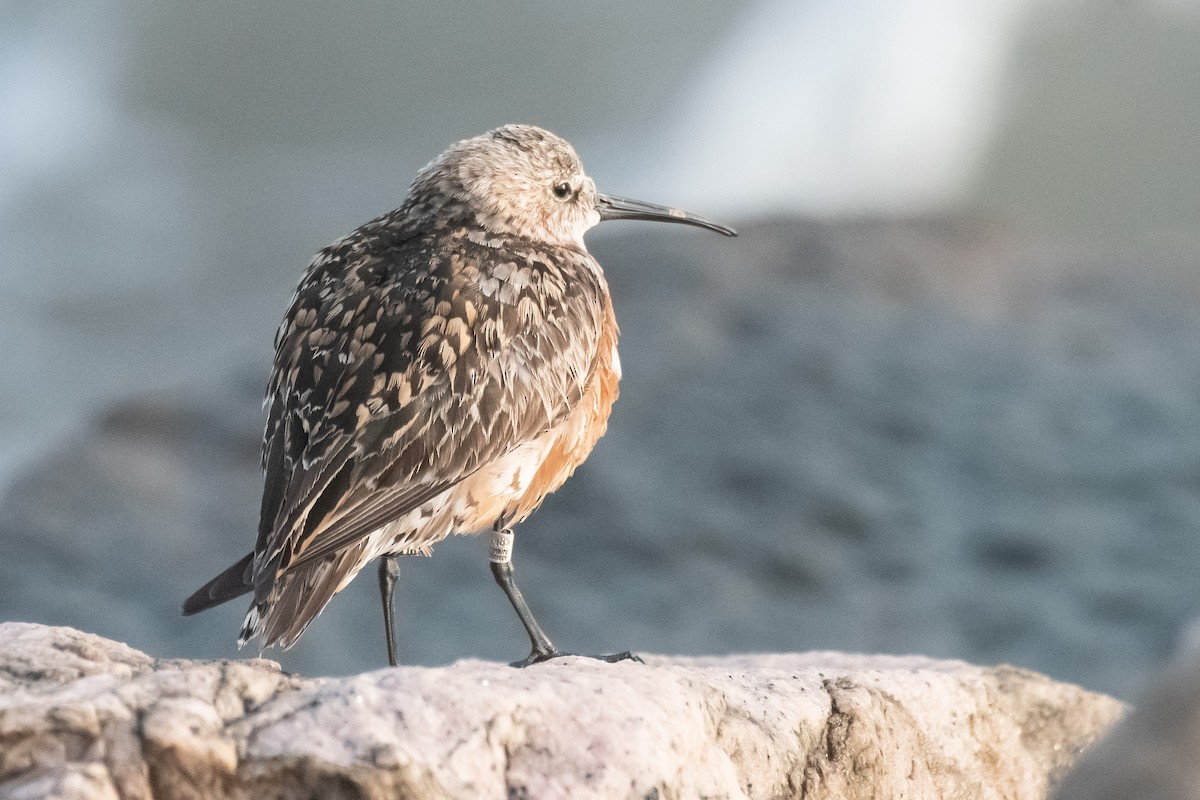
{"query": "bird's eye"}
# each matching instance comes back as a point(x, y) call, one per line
point(562, 191)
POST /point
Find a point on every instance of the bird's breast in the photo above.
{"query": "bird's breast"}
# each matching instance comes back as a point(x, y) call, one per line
point(568, 444)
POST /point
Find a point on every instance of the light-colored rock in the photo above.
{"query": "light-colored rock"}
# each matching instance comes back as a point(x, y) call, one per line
point(84, 717)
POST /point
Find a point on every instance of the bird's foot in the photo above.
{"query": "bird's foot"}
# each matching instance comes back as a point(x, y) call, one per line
point(539, 656)
point(624, 655)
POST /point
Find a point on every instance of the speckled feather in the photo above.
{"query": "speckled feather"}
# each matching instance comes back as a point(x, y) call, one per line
point(418, 353)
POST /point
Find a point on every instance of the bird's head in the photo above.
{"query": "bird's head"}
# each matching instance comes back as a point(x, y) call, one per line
point(525, 181)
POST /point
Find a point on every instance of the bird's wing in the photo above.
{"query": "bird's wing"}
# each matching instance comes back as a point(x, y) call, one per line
point(401, 369)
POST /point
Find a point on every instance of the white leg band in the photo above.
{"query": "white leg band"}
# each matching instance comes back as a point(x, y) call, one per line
point(502, 547)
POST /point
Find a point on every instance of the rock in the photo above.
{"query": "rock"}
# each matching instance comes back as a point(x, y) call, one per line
point(85, 717)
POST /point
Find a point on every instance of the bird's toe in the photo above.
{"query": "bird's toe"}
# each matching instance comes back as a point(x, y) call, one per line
point(624, 655)
point(540, 656)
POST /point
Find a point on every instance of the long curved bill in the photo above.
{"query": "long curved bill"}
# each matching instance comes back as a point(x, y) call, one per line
point(620, 208)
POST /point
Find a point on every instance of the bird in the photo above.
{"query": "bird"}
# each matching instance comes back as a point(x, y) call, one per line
point(440, 370)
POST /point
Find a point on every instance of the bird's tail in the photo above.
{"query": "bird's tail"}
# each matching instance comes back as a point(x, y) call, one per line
point(233, 582)
point(294, 598)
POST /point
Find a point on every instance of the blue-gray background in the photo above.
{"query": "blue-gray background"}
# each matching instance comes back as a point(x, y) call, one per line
point(941, 396)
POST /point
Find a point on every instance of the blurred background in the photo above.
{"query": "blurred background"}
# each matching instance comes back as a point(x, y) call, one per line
point(941, 396)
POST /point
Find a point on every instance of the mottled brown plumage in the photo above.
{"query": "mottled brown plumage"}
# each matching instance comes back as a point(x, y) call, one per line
point(439, 371)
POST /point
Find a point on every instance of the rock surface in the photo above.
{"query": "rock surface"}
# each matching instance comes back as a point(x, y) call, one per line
point(85, 717)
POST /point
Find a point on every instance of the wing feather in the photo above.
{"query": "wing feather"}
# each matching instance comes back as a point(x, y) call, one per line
point(402, 367)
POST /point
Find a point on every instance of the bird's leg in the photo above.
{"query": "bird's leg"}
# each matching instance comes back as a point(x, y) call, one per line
point(389, 570)
point(500, 556)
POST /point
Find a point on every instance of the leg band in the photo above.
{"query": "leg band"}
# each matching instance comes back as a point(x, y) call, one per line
point(502, 547)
